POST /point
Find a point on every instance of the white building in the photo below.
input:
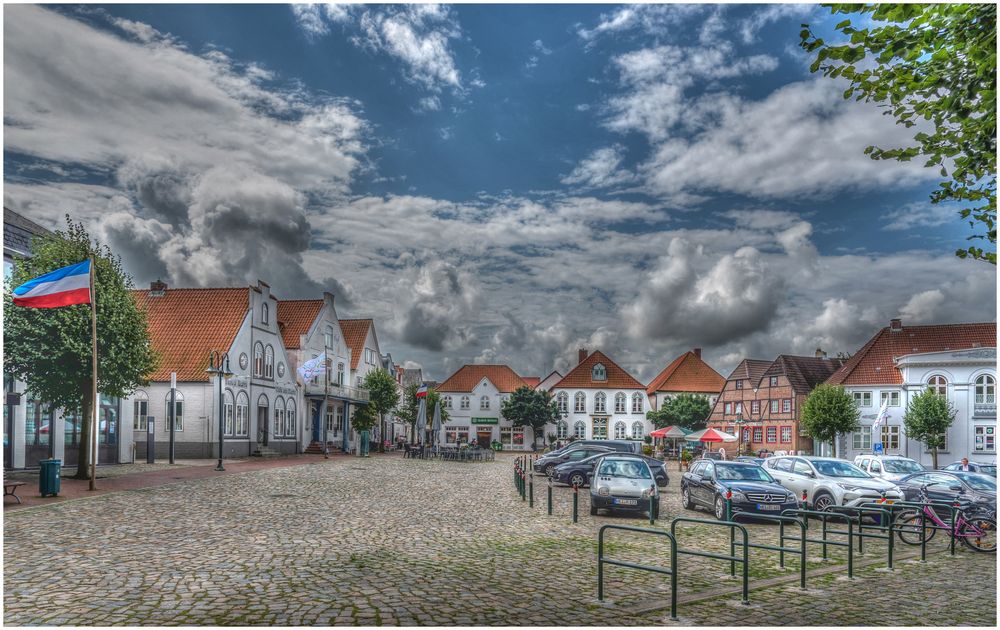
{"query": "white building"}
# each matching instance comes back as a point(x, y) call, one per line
point(957, 360)
point(472, 396)
point(599, 400)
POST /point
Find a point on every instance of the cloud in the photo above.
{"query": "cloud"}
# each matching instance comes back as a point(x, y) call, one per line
point(436, 304)
point(310, 19)
point(750, 27)
point(647, 19)
point(600, 170)
point(919, 215)
point(540, 47)
point(924, 308)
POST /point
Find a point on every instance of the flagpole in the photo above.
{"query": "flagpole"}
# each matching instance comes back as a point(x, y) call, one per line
point(96, 403)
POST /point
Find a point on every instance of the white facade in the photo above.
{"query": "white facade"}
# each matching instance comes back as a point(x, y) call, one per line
point(476, 416)
point(588, 416)
point(967, 377)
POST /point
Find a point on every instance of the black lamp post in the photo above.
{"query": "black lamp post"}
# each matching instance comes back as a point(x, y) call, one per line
point(219, 364)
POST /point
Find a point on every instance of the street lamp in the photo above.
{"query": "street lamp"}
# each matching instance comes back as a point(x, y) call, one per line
point(739, 433)
point(219, 364)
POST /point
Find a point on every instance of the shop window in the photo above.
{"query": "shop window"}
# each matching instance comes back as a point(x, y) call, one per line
point(140, 411)
point(985, 438)
point(278, 429)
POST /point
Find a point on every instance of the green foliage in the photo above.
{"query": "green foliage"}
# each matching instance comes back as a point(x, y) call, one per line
point(382, 393)
point(364, 418)
point(935, 63)
point(50, 349)
point(829, 411)
point(927, 419)
point(407, 410)
point(528, 407)
point(689, 411)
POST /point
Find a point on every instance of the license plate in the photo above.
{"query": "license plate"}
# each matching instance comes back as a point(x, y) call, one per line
point(626, 501)
point(768, 507)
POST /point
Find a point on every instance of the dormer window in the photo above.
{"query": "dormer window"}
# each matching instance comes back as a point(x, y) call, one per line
point(598, 373)
point(263, 313)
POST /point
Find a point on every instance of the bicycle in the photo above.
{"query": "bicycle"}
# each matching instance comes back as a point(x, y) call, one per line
point(974, 525)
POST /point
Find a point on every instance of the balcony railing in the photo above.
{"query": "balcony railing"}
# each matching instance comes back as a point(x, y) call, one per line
point(337, 391)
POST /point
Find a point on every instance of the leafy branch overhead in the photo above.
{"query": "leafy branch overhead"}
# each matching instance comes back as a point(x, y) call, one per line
point(933, 67)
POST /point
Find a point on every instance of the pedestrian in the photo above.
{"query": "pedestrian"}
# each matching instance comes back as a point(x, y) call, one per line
point(965, 467)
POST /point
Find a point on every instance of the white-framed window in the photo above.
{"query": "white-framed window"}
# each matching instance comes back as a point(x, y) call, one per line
point(862, 440)
point(892, 397)
point(278, 428)
point(862, 399)
point(636, 402)
point(599, 429)
point(460, 435)
point(264, 313)
point(269, 362)
point(328, 420)
point(465, 402)
point(786, 435)
point(178, 410)
point(774, 405)
point(601, 405)
point(944, 445)
point(580, 402)
point(484, 402)
point(985, 435)
point(986, 390)
point(340, 419)
point(512, 436)
point(786, 405)
point(228, 414)
point(290, 418)
point(341, 374)
point(562, 402)
point(446, 402)
point(140, 411)
point(890, 437)
point(242, 414)
point(620, 402)
point(579, 429)
point(774, 381)
point(598, 373)
point(938, 384)
point(328, 337)
point(738, 409)
point(258, 359)
point(637, 430)
point(754, 406)
point(739, 384)
point(620, 428)
point(728, 409)
point(562, 430)
point(772, 435)
point(758, 435)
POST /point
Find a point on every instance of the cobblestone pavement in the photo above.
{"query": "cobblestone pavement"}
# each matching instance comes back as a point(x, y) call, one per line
point(387, 541)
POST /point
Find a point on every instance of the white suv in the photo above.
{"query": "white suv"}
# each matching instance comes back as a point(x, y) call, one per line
point(828, 482)
point(889, 467)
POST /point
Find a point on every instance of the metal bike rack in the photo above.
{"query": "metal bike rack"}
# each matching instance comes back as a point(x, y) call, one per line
point(672, 571)
point(917, 506)
point(825, 517)
point(780, 548)
point(733, 559)
point(859, 512)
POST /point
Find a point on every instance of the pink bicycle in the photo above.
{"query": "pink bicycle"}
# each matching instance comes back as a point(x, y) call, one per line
point(974, 525)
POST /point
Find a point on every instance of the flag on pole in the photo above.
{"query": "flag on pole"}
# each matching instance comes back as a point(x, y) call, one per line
point(313, 367)
point(62, 287)
point(880, 419)
point(422, 391)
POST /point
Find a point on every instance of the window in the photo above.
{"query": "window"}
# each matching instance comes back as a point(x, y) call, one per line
point(242, 414)
point(229, 421)
point(264, 313)
point(786, 405)
point(862, 439)
point(942, 447)
point(758, 435)
point(774, 406)
point(278, 428)
point(891, 397)
point(562, 402)
point(786, 435)
point(746, 435)
point(258, 359)
point(330, 426)
point(774, 381)
point(890, 437)
point(986, 390)
point(620, 433)
point(600, 431)
point(140, 410)
point(600, 403)
point(799, 467)
point(484, 402)
point(598, 373)
point(728, 408)
point(580, 402)
point(637, 430)
point(938, 385)
point(517, 436)
point(580, 429)
point(290, 418)
point(465, 402)
point(755, 407)
point(739, 384)
point(772, 435)
point(340, 420)
point(739, 409)
point(637, 403)
point(985, 438)
point(619, 402)
point(862, 399)
point(460, 435)
point(178, 411)
point(562, 430)
point(269, 362)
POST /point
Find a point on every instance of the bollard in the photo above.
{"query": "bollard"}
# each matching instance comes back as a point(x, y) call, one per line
point(576, 501)
point(524, 487)
point(531, 490)
point(651, 519)
point(550, 497)
point(805, 502)
point(824, 539)
point(732, 532)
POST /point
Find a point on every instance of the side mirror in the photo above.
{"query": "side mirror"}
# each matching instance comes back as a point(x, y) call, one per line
point(706, 476)
point(811, 474)
point(957, 489)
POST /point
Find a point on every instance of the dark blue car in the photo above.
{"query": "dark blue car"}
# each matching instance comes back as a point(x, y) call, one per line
point(754, 491)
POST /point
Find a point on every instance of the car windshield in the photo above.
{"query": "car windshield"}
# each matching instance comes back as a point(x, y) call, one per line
point(627, 469)
point(978, 482)
point(988, 469)
point(833, 468)
point(901, 466)
point(741, 473)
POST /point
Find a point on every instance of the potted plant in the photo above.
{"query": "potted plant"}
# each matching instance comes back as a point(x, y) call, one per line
point(686, 457)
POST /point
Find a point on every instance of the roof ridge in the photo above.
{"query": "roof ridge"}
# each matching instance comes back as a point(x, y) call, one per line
point(244, 288)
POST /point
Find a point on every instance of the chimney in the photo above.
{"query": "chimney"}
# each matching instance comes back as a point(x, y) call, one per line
point(581, 356)
point(895, 325)
point(157, 288)
point(697, 352)
point(820, 354)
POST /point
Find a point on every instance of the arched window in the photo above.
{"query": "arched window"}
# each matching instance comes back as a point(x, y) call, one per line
point(600, 402)
point(178, 410)
point(278, 429)
point(242, 414)
point(465, 402)
point(264, 312)
point(619, 402)
point(619, 430)
point(986, 390)
point(228, 427)
point(637, 430)
point(580, 402)
point(446, 402)
point(269, 362)
point(598, 373)
point(637, 402)
point(258, 359)
point(140, 409)
point(938, 384)
point(580, 429)
point(562, 402)
point(328, 337)
point(562, 430)
point(484, 402)
point(290, 418)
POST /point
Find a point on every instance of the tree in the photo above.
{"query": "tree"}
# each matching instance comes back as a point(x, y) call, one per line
point(934, 63)
point(927, 419)
point(407, 411)
point(50, 349)
point(533, 408)
point(685, 410)
point(829, 411)
point(382, 396)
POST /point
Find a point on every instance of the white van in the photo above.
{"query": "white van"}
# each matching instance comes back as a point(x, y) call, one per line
point(890, 467)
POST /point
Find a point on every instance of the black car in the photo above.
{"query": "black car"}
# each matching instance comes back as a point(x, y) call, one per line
point(947, 486)
point(622, 446)
point(579, 472)
point(983, 469)
point(547, 463)
point(754, 491)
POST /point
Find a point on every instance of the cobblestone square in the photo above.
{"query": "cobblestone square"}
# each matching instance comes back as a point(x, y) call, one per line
point(388, 541)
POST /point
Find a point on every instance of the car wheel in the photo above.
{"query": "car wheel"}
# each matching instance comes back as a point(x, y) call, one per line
point(822, 502)
point(548, 469)
point(720, 508)
point(578, 479)
point(686, 499)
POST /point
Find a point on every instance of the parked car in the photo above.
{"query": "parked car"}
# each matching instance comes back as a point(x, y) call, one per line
point(754, 491)
point(624, 483)
point(947, 486)
point(829, 482)
point(750, 460)
point(622, 446)
point(707, 454)
point(983, 469)
point(547, 463)
point(579, 472)
point(890, 467)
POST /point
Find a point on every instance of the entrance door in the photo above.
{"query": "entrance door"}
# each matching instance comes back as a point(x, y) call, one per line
point(107, 435)
point(484, 437)
point(315, 424)
point(262, 424)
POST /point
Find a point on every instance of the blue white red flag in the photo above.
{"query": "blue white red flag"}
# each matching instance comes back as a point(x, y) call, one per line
point(62, 287)
point(422, 391)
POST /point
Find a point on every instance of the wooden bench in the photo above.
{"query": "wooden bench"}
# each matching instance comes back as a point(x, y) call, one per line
point(10, 489)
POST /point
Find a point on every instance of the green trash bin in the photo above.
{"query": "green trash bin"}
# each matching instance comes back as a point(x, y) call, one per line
point(48, 477)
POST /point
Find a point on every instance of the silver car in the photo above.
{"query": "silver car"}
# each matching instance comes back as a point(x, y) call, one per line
point(828, 482)
point(625, 484)
point(888, 467)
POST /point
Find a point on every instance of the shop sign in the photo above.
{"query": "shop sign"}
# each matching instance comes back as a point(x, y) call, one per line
point(485, 421)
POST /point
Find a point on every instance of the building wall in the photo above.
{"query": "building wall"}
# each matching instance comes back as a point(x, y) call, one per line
point(754, 431)
point(587, 417)
point(465, 418)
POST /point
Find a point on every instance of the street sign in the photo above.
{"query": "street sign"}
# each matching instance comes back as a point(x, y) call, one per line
point(877, 447)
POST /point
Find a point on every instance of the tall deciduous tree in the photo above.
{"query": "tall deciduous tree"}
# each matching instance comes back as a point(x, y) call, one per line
point(935, 63)
point(533, 408)
point(829, 411)
point(407, 410)
point(927, 419)
point(690, 411)
point(50, 349)
point(383, 396)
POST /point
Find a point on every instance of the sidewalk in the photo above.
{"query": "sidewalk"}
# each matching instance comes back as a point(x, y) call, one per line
point(183, 470)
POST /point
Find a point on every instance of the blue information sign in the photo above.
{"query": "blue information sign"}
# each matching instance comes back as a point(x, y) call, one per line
point(877, 447)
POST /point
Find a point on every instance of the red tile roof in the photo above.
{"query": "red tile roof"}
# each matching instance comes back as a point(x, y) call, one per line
point(618, 378)
point(687, 373)
point(355, 332)
point(186, 324)
point(468, 376)
point(874, 363)
point(295, 317)
point(532, 381)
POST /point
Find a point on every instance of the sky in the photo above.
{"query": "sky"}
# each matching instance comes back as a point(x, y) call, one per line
point(490, 183)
